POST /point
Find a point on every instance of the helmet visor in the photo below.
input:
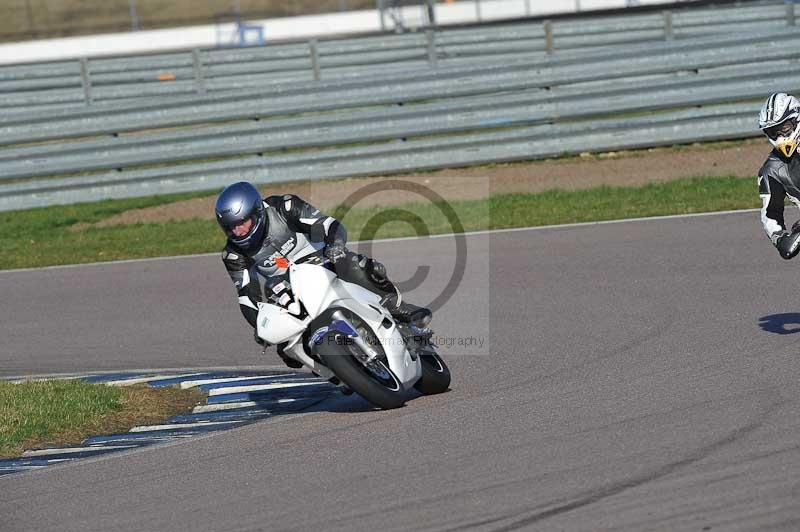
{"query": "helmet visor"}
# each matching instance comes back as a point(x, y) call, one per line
point(784, 129)
point(242, 229)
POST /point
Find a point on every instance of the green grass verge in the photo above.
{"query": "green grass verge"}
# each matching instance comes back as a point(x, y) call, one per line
point(63, 412)
point(41, 237)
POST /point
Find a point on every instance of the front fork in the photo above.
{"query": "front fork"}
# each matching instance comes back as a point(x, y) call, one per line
point(343, 325)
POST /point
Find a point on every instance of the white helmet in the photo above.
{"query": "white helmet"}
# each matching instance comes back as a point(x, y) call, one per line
point(779, 121)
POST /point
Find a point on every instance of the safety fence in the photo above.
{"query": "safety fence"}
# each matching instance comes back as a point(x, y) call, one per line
point(84, 82)
point(478, 110)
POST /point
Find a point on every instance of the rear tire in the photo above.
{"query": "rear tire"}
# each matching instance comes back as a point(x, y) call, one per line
point(435, 374)
point(354, 374)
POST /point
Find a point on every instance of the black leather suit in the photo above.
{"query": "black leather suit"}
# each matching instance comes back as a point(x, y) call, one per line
point(294, 230)
point(778, 179)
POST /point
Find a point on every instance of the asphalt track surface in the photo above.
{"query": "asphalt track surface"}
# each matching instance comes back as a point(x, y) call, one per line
point(637, 376)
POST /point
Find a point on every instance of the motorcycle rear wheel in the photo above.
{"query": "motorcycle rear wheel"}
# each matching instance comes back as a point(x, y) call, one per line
point(435, 374)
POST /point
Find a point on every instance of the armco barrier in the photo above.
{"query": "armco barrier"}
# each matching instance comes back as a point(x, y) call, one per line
point(400, 122)
point(62, 81)
point(460, 83)
point(255, 85)
point(388, 118)
point(413, 155)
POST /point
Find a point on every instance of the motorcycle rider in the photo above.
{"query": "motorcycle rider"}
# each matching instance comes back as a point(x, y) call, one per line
point(265, 233)
point(779, 176)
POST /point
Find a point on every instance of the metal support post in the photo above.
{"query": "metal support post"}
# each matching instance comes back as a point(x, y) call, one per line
point(381, 13)
point(669, 33)
point(548, 36)
point(86, 81)
point(430, 13)
point(430, 37)
point(790, 13)
point(312, 45)
point(199, 77)
point(134, 15)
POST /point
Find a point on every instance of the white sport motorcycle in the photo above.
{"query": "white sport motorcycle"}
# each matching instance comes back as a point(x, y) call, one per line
point(341, 332)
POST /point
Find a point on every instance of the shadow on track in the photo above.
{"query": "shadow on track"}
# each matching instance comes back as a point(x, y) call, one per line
point(779, 323)
point(338, 403)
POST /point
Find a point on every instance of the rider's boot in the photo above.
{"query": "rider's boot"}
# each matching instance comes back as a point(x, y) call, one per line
point(371, 274)
point(289, 361)
point(399, 309)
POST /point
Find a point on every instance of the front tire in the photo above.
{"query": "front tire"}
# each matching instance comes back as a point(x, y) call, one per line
point(386, 392)
point(435, 374)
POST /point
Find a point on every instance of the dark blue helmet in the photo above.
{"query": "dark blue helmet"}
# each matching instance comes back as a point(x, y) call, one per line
point(237, 203)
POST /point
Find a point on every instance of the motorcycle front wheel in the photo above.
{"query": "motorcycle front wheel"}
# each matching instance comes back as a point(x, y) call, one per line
point(372, 380)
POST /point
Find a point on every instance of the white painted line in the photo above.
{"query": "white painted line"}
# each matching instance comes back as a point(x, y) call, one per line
point(382, 240)
point(53, 461)
point(192, 384)
point(70, 450)
point(201, 424)
point(110, 263)
point(261, 387)
point(42, 379)
point(221, 407)
point(142, 380)
point(275, 368)
point(184, 375)
point(577, 224)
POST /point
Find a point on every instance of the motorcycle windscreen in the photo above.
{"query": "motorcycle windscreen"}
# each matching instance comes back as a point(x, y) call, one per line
point(314, 286)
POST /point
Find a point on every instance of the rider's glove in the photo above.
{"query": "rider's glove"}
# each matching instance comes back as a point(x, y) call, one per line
point(788, 244)
point(335, 251)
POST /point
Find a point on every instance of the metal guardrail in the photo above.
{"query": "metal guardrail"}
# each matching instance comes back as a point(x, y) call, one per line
point(687, 16)
point(607, 98)
point(387, 124)
point(414, 156)
point(193, 72)
point(277, 85)
point(459, 82)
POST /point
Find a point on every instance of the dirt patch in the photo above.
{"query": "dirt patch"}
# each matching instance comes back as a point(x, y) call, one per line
point(741, 159)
